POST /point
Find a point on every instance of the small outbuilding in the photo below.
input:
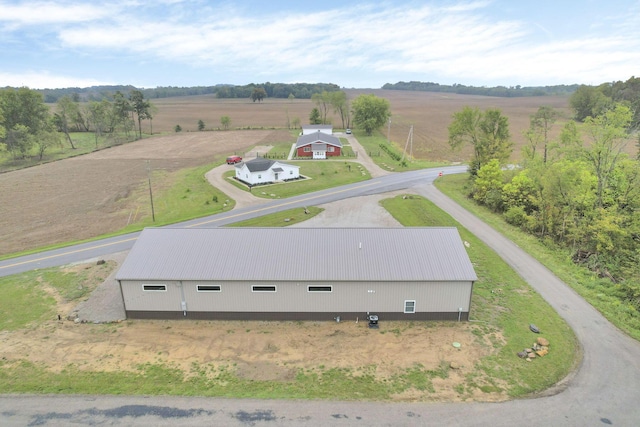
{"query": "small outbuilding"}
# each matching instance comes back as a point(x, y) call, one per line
point(308, 129)
point(318, 145)
point(410, 273)
point(264, 171)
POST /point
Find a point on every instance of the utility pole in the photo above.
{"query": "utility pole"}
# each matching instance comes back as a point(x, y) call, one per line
point(153, 214)
point(388, 130)
point(409, 139)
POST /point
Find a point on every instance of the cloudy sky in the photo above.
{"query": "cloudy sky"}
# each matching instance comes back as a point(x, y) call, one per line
point(362, 44)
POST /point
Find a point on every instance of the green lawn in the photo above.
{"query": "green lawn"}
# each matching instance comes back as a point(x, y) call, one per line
point(281, 219)
point(320, 174)
point(502, 308)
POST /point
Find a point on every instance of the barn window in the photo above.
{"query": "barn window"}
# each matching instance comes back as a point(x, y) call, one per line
point(209, 288)
point(312, 288)
point(410, 306)
point(263, 288)
point(290, 172)
point(259, 176)
point(307, 149)
point(154, 288)
point(331, 148)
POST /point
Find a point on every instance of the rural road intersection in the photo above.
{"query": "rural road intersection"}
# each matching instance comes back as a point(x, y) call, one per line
point(605, 390)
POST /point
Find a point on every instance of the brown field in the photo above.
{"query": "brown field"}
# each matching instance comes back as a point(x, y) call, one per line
point(429, 113)
point(86, 196)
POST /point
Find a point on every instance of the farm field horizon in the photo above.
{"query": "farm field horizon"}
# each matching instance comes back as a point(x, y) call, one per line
point(430, 113)
point(99, 193)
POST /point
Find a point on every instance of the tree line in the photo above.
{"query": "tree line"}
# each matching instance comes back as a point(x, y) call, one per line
point(27, 122)
point(272, 90)
point(580, 191)
point(500, 91)
point(589, 101)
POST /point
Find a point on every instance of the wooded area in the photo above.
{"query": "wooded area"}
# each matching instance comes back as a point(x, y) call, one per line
point(272, 90)
point(579, 191)
point(500, 91)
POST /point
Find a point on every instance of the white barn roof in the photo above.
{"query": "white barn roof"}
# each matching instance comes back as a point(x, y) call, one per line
point(341, 254)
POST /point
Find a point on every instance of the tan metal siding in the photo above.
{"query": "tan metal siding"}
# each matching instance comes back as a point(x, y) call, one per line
point(348, 297)
point(137, 299)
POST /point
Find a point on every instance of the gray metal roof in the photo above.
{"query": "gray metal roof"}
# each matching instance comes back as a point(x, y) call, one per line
point(317, 137)
point(260, 164)
point(299, 254)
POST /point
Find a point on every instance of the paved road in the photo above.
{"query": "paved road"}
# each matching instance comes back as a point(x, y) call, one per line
point(122, 243)
point(604, 391)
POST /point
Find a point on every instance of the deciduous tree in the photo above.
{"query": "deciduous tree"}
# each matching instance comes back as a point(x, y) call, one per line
point(225, 121)
point(121, 107)
point(141, 107)
point(370, 112)
point(487, 132)
point(540, 124)
point(66, 111)
point(258, 94)
point(97, 113)
point(338, 101)
point(24, 114)
point(608, 133)
point(587, 101)
point(487, 186)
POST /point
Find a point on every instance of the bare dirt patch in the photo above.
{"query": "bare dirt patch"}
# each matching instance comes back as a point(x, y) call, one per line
point(264, 351)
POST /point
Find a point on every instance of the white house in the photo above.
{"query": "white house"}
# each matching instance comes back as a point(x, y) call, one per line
point(307, 129)
point(264, 171)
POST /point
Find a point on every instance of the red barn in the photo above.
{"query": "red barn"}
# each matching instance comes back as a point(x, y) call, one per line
point(319, 145)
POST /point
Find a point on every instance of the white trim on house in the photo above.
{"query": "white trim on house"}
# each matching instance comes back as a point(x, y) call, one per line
point(264, 171)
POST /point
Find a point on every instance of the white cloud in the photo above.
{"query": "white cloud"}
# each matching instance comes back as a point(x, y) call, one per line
point(46, 80)
point(456, 42)
point(50, 12)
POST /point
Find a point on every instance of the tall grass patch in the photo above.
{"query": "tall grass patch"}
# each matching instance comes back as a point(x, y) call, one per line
point(390, 156)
